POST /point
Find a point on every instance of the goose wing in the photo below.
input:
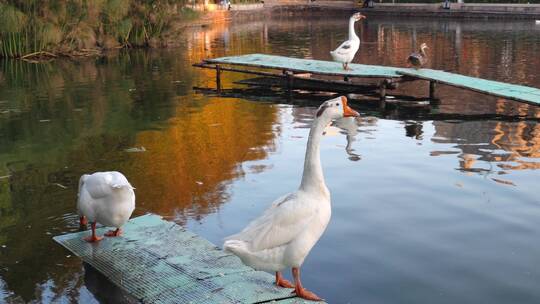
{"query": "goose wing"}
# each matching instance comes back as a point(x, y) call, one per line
point(102, 184)
point(280, 224)
point(345, 48)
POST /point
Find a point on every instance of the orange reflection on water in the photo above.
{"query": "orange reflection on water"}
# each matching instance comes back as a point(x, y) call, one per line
point(522, 140)
point(189, 164)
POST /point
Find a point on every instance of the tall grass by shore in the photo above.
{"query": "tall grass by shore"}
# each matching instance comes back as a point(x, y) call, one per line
point(79, 27)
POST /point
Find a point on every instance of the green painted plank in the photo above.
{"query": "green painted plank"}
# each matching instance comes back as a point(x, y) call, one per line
point(491, 87)
point(308, 66)
point(496, 88)
point(157, 261)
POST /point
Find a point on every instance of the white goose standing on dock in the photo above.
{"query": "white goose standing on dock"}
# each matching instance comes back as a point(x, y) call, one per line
point(285, 233)
point(346, 51)
point(106, 198)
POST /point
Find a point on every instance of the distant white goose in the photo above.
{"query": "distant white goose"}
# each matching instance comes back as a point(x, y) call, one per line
point(106, 198)
point(346, 51)
point(285, 233)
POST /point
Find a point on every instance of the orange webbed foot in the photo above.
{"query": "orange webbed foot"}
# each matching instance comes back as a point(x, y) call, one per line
point(83, 221)
point(113, 233)
point(280, 281)
point(93, 239)
point(284, 283)
point(306, 294)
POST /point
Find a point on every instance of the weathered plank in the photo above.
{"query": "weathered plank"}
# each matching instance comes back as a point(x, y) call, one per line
point(318, 67)
point(157, 261)
point(308, 66)
point(490, 87)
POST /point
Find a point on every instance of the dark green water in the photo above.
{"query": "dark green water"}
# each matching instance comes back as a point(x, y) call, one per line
point(426, 209)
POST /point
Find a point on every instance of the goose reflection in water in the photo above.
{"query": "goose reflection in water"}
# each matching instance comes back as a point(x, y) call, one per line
point(349, 126)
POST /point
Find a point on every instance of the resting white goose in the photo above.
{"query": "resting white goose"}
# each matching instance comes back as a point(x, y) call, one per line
point(346, 51)
point(106, 198)
point(285, 233)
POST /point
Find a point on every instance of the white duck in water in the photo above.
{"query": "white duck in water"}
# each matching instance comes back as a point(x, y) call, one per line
point(106, 198)
point(346, 51)
point(285, 233)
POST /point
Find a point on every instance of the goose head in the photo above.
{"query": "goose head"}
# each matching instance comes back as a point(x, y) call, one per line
point(335, 109)
point(357, 17)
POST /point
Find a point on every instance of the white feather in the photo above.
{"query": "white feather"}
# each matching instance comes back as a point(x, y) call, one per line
point(106, 198)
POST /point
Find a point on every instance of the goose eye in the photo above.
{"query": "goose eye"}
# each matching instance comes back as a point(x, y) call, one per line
point(337, 104)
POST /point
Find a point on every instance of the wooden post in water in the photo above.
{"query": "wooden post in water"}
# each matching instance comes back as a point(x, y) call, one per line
point(218, 79)
point(432, 93)
point(382, 94)
point(289, 77)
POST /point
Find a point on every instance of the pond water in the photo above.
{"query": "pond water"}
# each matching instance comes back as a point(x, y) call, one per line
point(430, 205)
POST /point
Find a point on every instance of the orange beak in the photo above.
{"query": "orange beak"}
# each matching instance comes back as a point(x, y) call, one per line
point(360, 17)
point(347, 111)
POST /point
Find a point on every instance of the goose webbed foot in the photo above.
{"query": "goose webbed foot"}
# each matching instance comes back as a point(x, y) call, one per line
point(301, 291)
point(93, 238)
point(306, 294)
point(281, 282)
point(113, 233)
point(83, 221)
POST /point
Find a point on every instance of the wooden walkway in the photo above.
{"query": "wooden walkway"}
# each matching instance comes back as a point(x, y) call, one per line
point(157, 261)
point(490, 87)
point(298, 65)
point(289, 68)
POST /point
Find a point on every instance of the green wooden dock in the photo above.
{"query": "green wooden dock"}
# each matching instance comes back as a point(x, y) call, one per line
point(390, 77)
point(495, 88)
point(157, 261)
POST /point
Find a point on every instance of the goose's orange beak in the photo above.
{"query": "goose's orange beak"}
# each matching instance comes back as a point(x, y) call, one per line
point(347, 111)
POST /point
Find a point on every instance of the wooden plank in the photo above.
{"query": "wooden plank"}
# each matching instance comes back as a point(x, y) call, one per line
point(490, 87)
point(299, 65)
point(157, 261)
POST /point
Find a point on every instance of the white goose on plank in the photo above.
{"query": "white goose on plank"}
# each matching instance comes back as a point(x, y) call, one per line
point(346, 51)
point(106, 198)
point(284, 234)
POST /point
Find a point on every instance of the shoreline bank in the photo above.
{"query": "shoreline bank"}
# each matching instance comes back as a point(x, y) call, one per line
point(259, 11)
point(338, 8)
point(456, 10)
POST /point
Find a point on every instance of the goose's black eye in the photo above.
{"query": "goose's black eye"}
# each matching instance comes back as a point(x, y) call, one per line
point(337, 104)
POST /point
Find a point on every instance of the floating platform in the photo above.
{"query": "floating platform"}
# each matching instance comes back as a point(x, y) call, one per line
point(304, 70)
point(157, 261)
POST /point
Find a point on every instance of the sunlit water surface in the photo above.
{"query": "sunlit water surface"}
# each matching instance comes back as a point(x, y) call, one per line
point(424, 210)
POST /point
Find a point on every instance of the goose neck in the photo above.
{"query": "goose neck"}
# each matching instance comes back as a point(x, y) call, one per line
point(352, 33)
point(312, 178)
